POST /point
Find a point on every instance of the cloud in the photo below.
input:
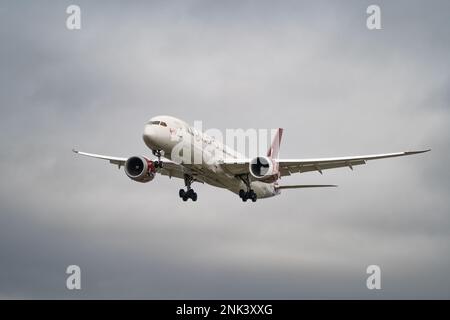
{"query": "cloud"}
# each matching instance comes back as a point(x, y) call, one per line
point(314, 69)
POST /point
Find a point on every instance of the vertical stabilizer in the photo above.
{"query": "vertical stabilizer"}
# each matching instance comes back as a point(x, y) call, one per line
point(275, 147)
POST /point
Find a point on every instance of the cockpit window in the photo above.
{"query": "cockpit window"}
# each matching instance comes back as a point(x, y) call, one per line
point(158, 123)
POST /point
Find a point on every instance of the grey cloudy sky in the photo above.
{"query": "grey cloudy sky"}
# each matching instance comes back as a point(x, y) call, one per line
point(311, 67)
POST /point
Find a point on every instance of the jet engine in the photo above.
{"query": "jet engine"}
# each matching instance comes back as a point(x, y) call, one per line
point(264, 169)
point(140, 169)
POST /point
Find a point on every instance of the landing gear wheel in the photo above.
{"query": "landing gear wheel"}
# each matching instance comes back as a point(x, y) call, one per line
point(189, 193)
point(250, 193)
point(157, 164)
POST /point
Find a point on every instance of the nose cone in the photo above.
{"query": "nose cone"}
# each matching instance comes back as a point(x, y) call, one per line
point(149, 136)
point(154, 137)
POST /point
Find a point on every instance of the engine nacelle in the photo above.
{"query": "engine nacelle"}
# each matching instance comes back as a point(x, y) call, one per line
point(140, 169)
point(264, 169)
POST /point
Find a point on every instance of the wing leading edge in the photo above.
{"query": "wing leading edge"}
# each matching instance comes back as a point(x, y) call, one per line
point(114, 160)
point(289, 166)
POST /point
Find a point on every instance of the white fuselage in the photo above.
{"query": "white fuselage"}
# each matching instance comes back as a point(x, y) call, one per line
point(166, 133)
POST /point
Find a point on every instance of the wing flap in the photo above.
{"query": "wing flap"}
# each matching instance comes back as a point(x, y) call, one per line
point(319, 166)
point(236, 166)
point(172, 169)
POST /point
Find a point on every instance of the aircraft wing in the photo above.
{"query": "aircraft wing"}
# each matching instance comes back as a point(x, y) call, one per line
point(290, 166)
point(114, 160)
point(170, 168)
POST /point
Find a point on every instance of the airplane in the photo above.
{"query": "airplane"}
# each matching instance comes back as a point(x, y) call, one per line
point(250, 179)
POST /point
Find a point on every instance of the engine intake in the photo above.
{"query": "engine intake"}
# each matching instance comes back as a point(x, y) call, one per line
point(140, 169)
point(262, 168)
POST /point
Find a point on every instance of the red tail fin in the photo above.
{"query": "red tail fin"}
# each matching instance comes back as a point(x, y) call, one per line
point(275, 147)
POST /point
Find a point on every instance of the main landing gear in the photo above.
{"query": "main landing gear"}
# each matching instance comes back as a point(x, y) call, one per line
point(158, 164)
point(189, 193)
point(250, 193)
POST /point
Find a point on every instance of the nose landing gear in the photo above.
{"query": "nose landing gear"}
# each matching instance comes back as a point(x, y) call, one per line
point(189, 193)
point(157, 153)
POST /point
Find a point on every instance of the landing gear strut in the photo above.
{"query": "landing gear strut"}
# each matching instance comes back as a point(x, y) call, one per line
point(157, 153)
point(250, 193)
point(189, 193)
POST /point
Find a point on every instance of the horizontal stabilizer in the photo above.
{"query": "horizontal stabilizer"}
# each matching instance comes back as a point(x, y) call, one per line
point(299, 186)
